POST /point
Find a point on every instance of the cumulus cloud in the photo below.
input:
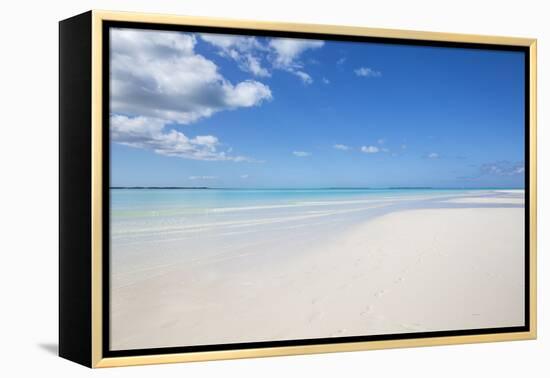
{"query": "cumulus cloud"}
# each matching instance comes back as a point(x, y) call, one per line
point(341, 147)
point(153, 134)
point(301, 153)
point(433, 155)
point(341, 61)
point(367, 72)
point(370, 149)
point(325, 80)
point(158, 74)
point(159, 82)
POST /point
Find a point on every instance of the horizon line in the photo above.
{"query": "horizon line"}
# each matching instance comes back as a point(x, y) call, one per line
point(315, 188)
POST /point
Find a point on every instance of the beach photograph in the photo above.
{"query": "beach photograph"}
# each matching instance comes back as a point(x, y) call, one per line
point(270, 188)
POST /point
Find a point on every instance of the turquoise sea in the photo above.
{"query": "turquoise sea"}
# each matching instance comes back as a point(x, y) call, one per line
point(158, 202)
point(157, 215)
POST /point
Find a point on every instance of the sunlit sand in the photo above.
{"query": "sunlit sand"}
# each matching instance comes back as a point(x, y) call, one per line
point(319, 269)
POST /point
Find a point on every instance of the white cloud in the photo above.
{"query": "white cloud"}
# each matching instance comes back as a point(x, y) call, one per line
point(301, 153)
point(153, 134)
point(246, 94)
point(242, 49)
point(325, 80)
point(503, 168)
point(286, 53)
point(367, 72)
point(251, 52)
point(403, 146)
point(341, 60)
point(228, 42)
point(288, 50)
point(370, 149)
point(341, 147)
point(306, 79)
point(433, 155)
point(381, 141)
point(244, 176)
point(253, 65)
point(202, 177)
point(134, 130)
point(158, 74)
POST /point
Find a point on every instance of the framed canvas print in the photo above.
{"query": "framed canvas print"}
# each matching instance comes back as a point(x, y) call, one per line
point(237, 189)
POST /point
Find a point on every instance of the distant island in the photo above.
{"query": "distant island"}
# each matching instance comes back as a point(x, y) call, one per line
point(159, 187)
point(329, 188)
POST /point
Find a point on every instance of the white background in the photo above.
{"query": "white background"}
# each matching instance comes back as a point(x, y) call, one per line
point(29, 189)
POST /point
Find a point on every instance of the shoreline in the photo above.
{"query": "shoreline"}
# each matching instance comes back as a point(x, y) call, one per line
point(407, 270)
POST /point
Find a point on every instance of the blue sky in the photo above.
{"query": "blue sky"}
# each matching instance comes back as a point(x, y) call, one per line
point(238, 111)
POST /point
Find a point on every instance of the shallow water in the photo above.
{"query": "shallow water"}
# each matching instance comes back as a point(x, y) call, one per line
point(152, 227)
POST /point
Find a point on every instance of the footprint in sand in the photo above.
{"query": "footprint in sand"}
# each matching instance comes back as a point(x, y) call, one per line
point(399, 280)
point(411, 327)
point(343, 286)
point(314, 316)
point(170, 323)
point(367, 310)
point(340, 332)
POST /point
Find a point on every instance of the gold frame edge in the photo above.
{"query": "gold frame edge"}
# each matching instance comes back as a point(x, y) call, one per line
point(98, 16)
point(533, 187)
point(310, 28)
point(97, 190)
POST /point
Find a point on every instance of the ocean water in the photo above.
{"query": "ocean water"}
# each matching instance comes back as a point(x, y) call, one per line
point(166, 202)
point(142, 215)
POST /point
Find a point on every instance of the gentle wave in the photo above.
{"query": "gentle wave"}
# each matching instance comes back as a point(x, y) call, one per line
point(231, 224)
point(176, 210)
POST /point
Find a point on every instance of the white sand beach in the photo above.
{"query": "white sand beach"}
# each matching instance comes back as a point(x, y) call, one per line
point(443, 263)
